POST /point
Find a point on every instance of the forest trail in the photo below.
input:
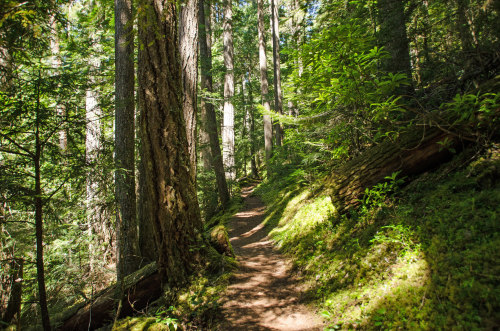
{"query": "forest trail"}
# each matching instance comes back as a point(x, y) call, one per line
point(262, 295)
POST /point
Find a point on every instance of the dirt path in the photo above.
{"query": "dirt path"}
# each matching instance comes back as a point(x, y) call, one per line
point(262, 295)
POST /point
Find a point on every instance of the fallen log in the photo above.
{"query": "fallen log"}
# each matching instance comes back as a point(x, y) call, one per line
point(139, 290)
point(414, 152)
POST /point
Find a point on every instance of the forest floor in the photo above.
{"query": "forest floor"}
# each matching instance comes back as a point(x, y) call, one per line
point(263, 294)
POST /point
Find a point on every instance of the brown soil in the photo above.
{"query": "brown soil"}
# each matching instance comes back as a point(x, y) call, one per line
point(263, 294)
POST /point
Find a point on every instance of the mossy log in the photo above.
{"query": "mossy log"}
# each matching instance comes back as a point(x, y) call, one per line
point(139, 290)
point(414, 152)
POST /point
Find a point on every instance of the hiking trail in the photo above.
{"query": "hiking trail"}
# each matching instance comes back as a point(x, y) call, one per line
point(263, 294)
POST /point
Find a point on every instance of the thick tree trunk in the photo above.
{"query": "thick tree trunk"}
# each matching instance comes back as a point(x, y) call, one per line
point(188, 37)
point(413, 153)
point(264, 84)
point(207, 107)
point(169, 185)
point(393, 36)
point(126, 223)
point(278, 94)
point(228, 119)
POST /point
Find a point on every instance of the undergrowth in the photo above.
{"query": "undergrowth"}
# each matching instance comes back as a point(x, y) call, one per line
point(196, 307)
point(425, 258)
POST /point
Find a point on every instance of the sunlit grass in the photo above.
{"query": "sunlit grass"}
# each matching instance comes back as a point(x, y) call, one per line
point(427, 260)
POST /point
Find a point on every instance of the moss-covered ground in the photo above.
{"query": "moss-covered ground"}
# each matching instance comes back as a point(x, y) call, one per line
point(427, 257)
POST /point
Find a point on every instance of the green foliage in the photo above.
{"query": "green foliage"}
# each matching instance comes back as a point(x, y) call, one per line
point(428, 260)
point(378, 195)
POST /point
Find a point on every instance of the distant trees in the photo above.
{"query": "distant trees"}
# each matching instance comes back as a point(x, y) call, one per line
point(228, 119)
point(208, 118)
point(264, 84)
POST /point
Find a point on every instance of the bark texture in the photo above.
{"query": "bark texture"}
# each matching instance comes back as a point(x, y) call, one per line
point(38, 204)
point(210, 119)
point(56, 65)
point(393, 36)
point(278, 94)
point(140, 289)
point(228, 120)
point(126, 222)
point(188, 37)
point(264, 84)
point(15, 291)
point(413, 153)
point(169, 185)
point(93, 115)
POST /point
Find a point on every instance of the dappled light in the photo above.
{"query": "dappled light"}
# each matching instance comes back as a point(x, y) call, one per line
point(263, 294)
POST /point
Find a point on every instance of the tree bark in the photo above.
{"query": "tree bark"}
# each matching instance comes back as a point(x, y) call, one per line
point(413, 153)
point(56, 65)
point(264, 85)
point(210, 119)
point(38, 204)
point(93, 115)
point(16, 291)
point(253, 140)
point(126, 222)
point(188, 36)
point(393, 36)
point(140, 289)
point(169, 185)
point(278, 94)
point(228, 120)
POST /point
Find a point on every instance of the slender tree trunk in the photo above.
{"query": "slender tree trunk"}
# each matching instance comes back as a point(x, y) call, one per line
point(92, 146)
point(169, 184)
point(264, 85)
point(278, 95)
point(228, 121)
point(188, 37)
point(40, 270)
point(253, 140)
point(56, 64)
point(210, 119)
point(126, 223)
point(392, 35)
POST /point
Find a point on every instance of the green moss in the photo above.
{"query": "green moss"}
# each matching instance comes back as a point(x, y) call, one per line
point(427, 260)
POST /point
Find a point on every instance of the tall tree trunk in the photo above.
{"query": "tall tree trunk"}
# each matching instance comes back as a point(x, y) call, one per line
point(210, 119)
point(124, 141)
point(56, 64)
point(38, 204)
point(253, 141)
point(92, 146)
point(264, 85)
point(228, 121)
point(278, 95)
point(169, 184)
point(392, 35)
point(188, 37)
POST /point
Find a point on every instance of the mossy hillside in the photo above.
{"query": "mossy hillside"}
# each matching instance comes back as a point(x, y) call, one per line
point(426, 259)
